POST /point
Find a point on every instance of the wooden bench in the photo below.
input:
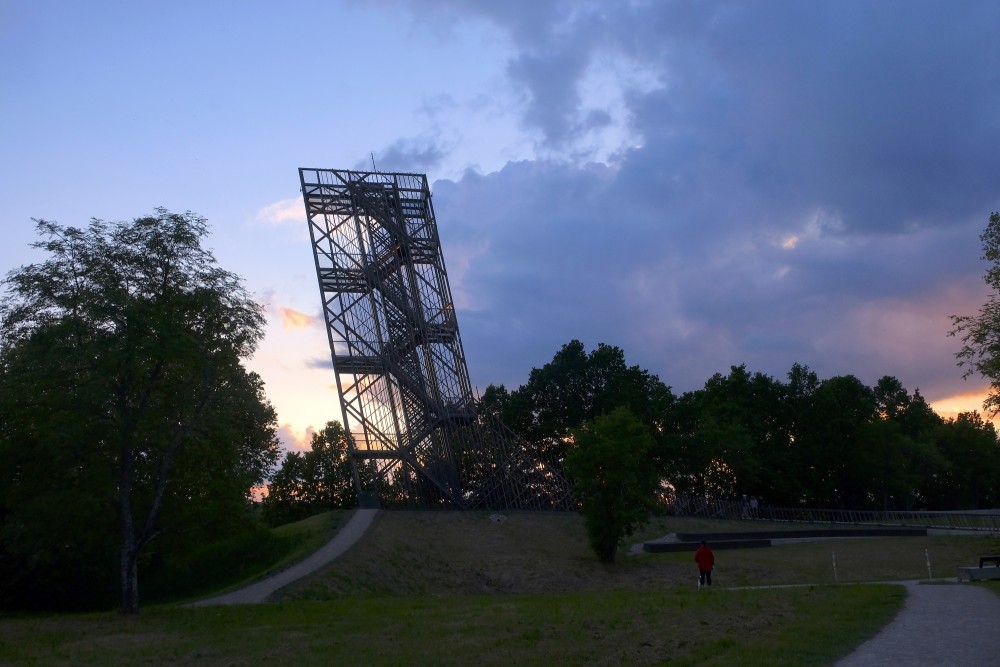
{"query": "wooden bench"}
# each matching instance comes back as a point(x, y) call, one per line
point(989, 559)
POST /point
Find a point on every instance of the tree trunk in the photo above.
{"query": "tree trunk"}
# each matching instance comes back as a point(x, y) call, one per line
point(129, 548)
point(130, 579)
point(131, 544)
point(129, 553)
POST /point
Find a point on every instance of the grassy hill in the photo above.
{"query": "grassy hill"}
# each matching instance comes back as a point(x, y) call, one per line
point(445, 588)
point(451, 553)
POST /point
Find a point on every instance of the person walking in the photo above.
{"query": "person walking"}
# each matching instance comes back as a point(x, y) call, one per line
point(705, 559)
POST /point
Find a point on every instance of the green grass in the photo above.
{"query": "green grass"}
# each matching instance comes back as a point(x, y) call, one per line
point(250, 556)
point(449, 588)
point(857, 560)
point(793, 626)
point(445, 553)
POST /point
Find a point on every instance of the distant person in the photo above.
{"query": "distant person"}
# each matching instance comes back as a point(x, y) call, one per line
point(705, 559)
point(753, 506)
point(744, 507)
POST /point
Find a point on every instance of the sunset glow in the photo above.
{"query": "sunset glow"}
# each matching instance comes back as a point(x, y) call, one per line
point(950, 407)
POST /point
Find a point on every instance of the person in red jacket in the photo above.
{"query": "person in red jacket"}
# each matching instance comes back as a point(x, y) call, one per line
point(705, 559)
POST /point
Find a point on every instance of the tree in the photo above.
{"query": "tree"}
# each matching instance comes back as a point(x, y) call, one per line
point(733, 437)
point(612, 478)
point(121, 382)
point(971, 478)
point(980, 334)
point(891, 398)
point(312, 482)
point(918, 419)
point(570, 391)
point(831, 442)
point(559, 392)
point(574, 388)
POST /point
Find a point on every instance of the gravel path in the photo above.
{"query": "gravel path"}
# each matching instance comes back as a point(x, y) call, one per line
point(259, 592)
point(941, 625)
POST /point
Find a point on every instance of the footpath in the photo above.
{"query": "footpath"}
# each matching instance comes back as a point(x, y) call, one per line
point(260, 591)
point(944, 625)
point(940, 625)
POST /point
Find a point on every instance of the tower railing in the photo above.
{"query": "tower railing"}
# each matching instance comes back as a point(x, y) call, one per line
point(985, 520)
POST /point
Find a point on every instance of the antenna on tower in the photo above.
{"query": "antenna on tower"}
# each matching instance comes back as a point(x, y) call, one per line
point(374, 168)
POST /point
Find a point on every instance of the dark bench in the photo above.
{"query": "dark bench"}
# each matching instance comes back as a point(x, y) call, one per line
point(989, 559)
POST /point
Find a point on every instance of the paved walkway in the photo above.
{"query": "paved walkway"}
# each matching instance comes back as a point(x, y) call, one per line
point(260, 591)
point(944, 625)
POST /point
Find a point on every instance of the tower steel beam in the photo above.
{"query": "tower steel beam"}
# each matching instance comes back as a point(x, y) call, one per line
point(406, 398)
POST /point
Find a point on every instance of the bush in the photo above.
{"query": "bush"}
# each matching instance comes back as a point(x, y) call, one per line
point(613, 478)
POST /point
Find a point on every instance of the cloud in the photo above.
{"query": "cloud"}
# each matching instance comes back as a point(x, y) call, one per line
point(815, 105)
point(292, 319)
point(688, 286)
point(460, 259)
point(321, 363)
point(726, 183)
point(295, 442)
point(284, 212)
point(862, 109)
point(550, 80)
point(571, 68)
point(417, 155)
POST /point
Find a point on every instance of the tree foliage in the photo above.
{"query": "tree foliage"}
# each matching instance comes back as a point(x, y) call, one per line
point(830, 443)
point(980, 334)
point(800, 441)
point(573, 389)
point(970, 475)
point(128, 414)
point(314, 481)
point(734, 431)
point(612, 479)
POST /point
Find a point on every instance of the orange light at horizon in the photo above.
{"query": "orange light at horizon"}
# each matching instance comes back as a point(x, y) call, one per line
point(952, 406)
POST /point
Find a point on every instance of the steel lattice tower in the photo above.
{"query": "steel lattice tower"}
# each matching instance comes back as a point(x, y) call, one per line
point(404, 386)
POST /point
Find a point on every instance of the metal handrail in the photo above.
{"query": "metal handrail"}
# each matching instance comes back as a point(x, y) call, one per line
point(984, 520)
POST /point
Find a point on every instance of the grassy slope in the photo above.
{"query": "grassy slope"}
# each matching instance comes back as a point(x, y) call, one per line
point(449, 589)
point(802, 626)
point(438, 553)
point(231, 564)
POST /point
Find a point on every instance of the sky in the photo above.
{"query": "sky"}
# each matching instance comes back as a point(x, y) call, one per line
point(703, 184)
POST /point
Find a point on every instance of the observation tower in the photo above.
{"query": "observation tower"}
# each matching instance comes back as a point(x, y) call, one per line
point(406, 400)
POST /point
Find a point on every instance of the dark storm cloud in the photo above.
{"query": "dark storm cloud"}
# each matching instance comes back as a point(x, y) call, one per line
point(866, 108)
point(564, 257)
point(809, 186)
point(551, 82)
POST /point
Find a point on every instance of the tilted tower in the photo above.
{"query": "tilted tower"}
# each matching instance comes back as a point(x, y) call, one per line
point(404, 387)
